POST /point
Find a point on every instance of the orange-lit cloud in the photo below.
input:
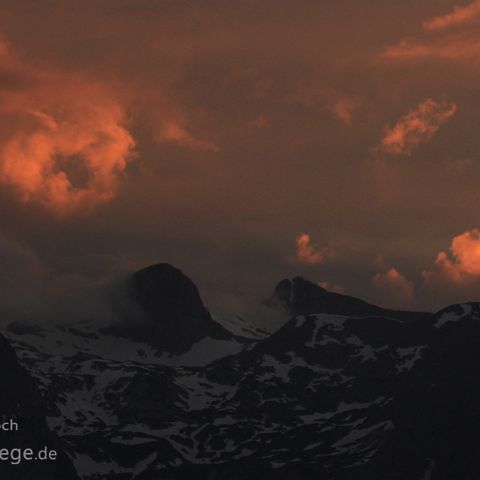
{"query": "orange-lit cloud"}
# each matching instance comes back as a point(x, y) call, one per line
point(396, 288)
point(454, 36)
point(464, 47)
point(417, 126)
point(173, 132)
point(311, 254)
point(63, 140)
point(344, 108)
point(463, 263)
point(459, 16)
point(331, 287)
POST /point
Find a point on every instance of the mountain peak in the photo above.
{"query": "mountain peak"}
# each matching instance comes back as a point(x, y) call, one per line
point(173, 316)
point(301, 296)
point(161, 290)
point(290, 292)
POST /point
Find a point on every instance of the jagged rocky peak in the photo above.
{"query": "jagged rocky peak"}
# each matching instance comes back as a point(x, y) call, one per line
point(297, 291)
point(171, 314)
point(301, 296)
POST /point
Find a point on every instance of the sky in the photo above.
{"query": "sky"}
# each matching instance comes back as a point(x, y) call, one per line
point(243, 142)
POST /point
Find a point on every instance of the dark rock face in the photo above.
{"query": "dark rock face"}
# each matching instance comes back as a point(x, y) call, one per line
point(173, 315)
point(299, 296)
point(21, 401)
point(164, 291)
point(440, 412)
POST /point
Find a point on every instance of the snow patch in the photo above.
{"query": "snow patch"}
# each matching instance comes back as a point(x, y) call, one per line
point(409, 356)
point(452, 316)
point(300, 321)
point(356, 435)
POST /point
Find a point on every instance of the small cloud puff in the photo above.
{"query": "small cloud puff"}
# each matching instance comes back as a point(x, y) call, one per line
point(462, 265)
point(416, 127)
point(311, 254)
point(396, 289)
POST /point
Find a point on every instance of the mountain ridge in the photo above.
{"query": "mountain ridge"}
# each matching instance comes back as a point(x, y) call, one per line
point(328, 395)
point(301, 296)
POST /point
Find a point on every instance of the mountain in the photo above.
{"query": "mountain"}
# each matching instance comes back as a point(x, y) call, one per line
point(23, 410)
point(300, 296)
point(170, 314)
point(342, 390)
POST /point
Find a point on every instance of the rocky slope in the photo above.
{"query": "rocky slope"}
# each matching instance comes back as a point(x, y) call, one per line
point(342, 390)
point(23, 413)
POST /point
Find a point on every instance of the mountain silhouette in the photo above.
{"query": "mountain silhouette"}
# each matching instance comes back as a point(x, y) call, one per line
point(342, 390)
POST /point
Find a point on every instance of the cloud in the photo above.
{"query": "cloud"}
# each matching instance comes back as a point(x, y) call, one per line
point(454, 36)
point(311, 254)
point(63, 140)
point(23, 279)
point(394, 286)
point(455, 275)
point(344, 108)
point(173, 132)
point(463, 264)
point(463, 47)
point(459, 16)
point(331, 287)
point(416, 127)
point(33, 291)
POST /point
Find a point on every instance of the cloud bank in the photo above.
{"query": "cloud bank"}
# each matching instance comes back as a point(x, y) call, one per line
point(453, 36)
point(459, 16)
point(63, 137)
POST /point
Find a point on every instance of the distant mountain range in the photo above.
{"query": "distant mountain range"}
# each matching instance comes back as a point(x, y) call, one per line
point(339, 390)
